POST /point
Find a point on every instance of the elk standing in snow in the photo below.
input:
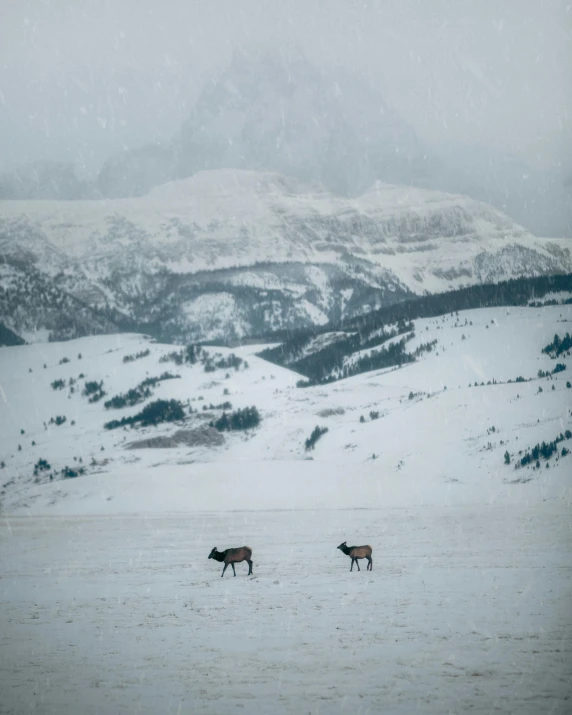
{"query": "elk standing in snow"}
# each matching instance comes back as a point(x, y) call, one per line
point(358, 552)
point(233, 556)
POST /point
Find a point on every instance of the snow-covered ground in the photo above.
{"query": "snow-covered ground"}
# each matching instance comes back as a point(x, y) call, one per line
point(466, 609)
point(109, 603)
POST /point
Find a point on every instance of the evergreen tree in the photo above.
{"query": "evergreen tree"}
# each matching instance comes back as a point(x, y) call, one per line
point(314, 437)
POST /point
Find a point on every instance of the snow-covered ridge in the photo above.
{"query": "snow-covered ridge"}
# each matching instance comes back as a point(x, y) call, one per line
point(248, 212)
point(280, 248)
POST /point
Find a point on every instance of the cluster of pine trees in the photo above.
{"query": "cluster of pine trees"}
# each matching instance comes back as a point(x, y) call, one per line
point(189, 355)
point(243, 419)
point(136, 356)
point(139, 393)
point(560, 367)
point(42, 466)
point(558, 346)
point(93, 390)
point(152, 414)
point(317, 432)
point(231, 361)
point(545, 449)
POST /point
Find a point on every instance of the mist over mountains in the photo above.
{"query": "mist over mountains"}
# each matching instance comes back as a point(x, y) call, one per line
point(267, 112)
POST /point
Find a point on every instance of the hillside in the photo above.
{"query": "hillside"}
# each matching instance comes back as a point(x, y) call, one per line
point(440, 424)
point(227, 254)
point(381, 337)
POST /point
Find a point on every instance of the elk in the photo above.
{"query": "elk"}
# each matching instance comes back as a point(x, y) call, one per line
point(358, 552)
point(233, 556)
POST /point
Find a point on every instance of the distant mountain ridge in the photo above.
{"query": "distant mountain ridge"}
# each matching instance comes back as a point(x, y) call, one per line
point(273, 112)
point(227, 254)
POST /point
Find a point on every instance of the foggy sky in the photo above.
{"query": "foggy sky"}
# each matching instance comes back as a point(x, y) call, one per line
point(80, 79)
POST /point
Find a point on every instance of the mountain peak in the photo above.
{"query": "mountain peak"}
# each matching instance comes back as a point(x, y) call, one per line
point(282, 113)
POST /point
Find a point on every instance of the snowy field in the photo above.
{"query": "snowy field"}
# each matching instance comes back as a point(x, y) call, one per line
point(110, 605)
point(467, 609)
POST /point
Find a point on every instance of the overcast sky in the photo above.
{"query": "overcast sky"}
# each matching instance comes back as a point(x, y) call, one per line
point(82, 78)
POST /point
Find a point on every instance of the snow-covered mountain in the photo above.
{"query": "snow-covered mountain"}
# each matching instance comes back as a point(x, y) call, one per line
point(283, 114)
point(226, 254)
point(280, 112)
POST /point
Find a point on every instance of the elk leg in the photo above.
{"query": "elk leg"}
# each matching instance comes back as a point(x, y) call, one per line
point(352, 568)
point(249, 568)
point(370, 564)
point(233, 571)
point(224, 569)
point(357, 564)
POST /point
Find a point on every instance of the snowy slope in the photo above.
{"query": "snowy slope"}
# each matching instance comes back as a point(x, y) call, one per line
point(273, 252)
point(435, 445)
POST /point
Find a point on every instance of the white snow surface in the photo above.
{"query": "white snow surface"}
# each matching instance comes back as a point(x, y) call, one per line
point(109, 603)
point(466, 609)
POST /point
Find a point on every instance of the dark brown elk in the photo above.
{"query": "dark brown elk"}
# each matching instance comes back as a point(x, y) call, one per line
point(358, 552)
point(233, 556)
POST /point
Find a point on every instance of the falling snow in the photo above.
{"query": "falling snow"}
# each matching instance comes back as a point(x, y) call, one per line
point(259, 177)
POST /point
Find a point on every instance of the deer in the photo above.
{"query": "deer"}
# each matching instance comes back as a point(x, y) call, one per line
point(233, 556)
point(358, 552)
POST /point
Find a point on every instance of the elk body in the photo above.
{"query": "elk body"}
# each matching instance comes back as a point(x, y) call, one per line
point(358, 552)
point(233, 556)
